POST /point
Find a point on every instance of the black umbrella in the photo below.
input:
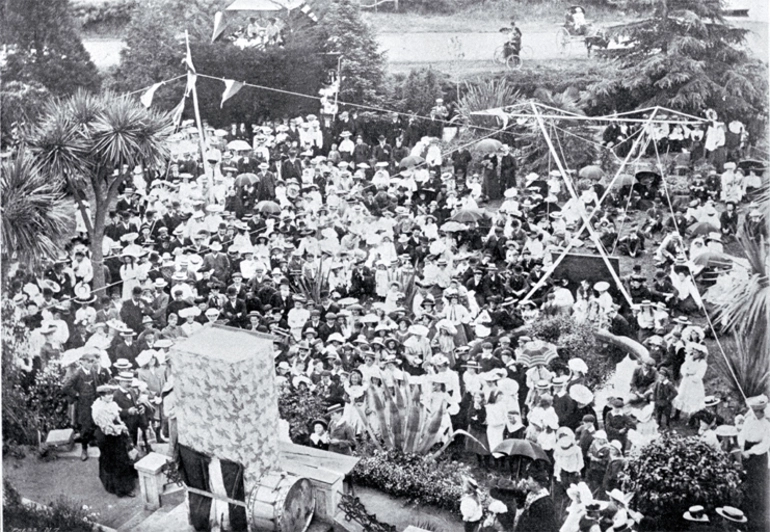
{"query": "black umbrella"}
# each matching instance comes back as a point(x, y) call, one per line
point(524, 448)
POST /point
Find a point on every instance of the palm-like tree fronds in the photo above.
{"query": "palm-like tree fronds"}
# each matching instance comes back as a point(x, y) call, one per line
point(36, 216)
point(491, 94)
point(743, 370)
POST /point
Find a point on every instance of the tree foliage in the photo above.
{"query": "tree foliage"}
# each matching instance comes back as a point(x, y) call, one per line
point(155, 50)
point(417, 91)
point(37, 218)
point(20, 104)
point(44, 47)
point(573, 140)
point(685, 56)
point(673, 473)
point(363, 65)
point(83, 139)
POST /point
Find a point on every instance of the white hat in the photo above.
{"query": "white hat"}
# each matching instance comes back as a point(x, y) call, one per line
point(577, 364)
point(602, 286)
point(144, 358)
point(581, 394)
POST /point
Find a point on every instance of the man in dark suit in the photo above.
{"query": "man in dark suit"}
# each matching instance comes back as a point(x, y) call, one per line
point(266, 186)
point(361, 151)
point(234, 309)
point(283, 299)
point(327, 305)
point(81, 387)
point(125, 347)
point(291, 167)
point(133, 310)
point(124, 227)
point(382, 152)
point(217, 263)
point(130, 411)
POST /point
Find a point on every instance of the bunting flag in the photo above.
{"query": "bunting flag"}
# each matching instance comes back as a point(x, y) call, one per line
point(176, 113)
point(146, 98)
point(191, 77)
point(219, 25)
point(188, 57)
point(307, 10)
point(231, 89)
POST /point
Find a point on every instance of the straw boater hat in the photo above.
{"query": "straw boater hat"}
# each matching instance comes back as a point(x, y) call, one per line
point(696, 514)
point(732, 514)
point(602, 286)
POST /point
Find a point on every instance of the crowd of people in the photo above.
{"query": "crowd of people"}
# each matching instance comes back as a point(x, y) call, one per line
point(369, 271)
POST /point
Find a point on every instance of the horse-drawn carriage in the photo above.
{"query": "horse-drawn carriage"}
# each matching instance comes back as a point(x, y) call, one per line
point(576, 29)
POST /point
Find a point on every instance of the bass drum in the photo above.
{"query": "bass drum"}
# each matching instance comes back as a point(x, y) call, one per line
point(282, 502)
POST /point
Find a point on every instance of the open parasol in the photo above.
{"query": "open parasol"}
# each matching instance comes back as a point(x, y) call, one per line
point(524, 448)
point(713, 259)
point(537, 353)
point(453, 227)
point(411, 161)
point(268, 207)
point(468, 215)
point(702, 229)
point(370, 318)
point(625, 180)
point(489, 146)
point(592, 172)
point(246, 179)
point(238, 145)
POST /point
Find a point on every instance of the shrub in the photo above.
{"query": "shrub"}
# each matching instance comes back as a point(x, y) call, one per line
point(673, 473)
point(299, 409)
point(60, 515)
point(416, 478)
point(108, 14)
point(577, 340)
point(28, 407)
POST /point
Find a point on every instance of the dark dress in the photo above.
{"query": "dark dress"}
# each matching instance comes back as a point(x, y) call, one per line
point(539, 517)
point(116, 470)
point(477, 427)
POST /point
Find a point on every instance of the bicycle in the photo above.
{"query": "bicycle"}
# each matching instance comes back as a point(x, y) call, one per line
point(512, 62)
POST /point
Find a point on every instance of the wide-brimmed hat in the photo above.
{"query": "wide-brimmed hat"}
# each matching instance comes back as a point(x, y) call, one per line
point(726, 431)
point(732, 514)
point(581, 394)
point(602, 286)
point(758, 402)
point(125, 376)
point(144, 358)
point(334, 408)
point(696, 514)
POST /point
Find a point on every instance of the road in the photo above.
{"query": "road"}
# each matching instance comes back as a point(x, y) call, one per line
point(470, 49)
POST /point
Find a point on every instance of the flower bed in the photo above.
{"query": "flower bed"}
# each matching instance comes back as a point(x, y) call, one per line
point(418, 479)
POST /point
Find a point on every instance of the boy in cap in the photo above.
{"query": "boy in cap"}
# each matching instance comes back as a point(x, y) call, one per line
point(663, 394)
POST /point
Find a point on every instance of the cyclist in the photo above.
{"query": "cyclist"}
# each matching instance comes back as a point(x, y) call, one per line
point(512, 47)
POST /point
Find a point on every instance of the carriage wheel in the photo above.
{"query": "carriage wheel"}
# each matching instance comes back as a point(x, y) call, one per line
point(499, 56)
point(513, 62)
point(562, 39)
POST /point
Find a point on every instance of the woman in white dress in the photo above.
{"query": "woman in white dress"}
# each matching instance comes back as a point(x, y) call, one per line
point(355, 392)
point(691, 395)
point(129, 274)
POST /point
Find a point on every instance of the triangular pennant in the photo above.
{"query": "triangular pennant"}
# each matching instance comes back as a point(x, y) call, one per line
point(176, 113)
point(146, 98)
point(231, 89)
point(191, 79)
point(219, 25)
point(188, 57)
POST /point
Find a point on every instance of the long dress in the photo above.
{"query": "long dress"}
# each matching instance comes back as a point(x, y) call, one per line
point(116, 470)
point(357, 395)
point(128, 274)
point(691, 394)
point(477, 427)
